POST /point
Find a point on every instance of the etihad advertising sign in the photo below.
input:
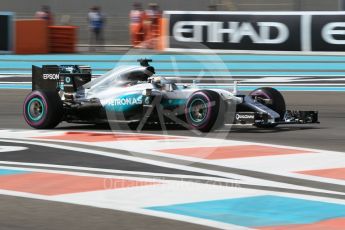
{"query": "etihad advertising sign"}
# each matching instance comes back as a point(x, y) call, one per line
point(328, 33)
point(286, 31)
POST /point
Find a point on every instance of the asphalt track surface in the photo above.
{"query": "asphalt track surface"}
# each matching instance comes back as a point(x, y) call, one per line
point(37, 214)
point(328, 135)
point(43, 215)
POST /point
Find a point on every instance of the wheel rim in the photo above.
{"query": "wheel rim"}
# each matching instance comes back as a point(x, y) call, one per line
point(35, 109)
point(198, 110)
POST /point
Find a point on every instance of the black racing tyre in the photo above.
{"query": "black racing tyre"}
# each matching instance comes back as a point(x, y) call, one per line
point(277, 102)
point(43, 109)
point(205, 110)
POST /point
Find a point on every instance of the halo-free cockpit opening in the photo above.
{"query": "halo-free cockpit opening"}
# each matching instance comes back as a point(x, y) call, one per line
point(120, 76)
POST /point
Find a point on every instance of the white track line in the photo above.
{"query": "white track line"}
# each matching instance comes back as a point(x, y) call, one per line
point(11, 148)
point(53, 167)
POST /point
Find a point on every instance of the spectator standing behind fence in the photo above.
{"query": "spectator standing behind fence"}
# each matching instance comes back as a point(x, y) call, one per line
point(45, 14)
point(96, 23)
point(136, 17)
point(151, 25)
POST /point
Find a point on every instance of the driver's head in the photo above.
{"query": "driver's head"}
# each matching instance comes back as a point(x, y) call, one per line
point(158, 81)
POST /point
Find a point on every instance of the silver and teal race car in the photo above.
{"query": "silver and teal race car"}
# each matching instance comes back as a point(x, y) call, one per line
point(137, 96)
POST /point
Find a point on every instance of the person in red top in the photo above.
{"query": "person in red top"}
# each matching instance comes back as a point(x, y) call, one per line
point(152, 21)
point(45, 14)
point(136, 17)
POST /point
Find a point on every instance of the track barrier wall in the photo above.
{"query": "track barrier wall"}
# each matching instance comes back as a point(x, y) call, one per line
point(35, 36)
point(31, 36)
point(62, 39)
point(254, 31)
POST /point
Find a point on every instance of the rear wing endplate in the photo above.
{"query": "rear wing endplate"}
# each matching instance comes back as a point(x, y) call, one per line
point(55, 77)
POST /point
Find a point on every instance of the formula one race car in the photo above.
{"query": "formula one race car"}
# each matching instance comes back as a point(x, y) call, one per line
point(137, 96)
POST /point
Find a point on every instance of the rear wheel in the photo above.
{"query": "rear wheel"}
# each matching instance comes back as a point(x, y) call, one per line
point(271, 98)
point(43, 109)
point(204, 110)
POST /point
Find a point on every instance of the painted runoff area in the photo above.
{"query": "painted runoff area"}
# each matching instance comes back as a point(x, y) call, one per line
point(229, 206)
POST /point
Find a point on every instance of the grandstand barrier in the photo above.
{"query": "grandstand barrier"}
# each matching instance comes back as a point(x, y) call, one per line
point(62, 39)
point(31, 36)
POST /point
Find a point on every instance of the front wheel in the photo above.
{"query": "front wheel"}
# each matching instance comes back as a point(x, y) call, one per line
point(43, 109)
point(275, 102)
point(204, 110)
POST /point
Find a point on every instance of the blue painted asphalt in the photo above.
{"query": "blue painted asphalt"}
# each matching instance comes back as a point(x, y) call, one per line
point(259, 211)
point(177, 57)
point(237, 65)
point(4, 172)
point(241, 88)
point(229, 73)
point(15, 86)
point(285, 88)
point(183, 65)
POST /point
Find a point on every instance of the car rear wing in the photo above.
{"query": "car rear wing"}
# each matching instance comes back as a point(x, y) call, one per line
point(60, 77)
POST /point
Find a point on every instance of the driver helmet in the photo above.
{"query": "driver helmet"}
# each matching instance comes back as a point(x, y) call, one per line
point(157, 80)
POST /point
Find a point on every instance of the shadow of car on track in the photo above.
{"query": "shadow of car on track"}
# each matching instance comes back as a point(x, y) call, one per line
point(180, 130)
point(269, 130)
